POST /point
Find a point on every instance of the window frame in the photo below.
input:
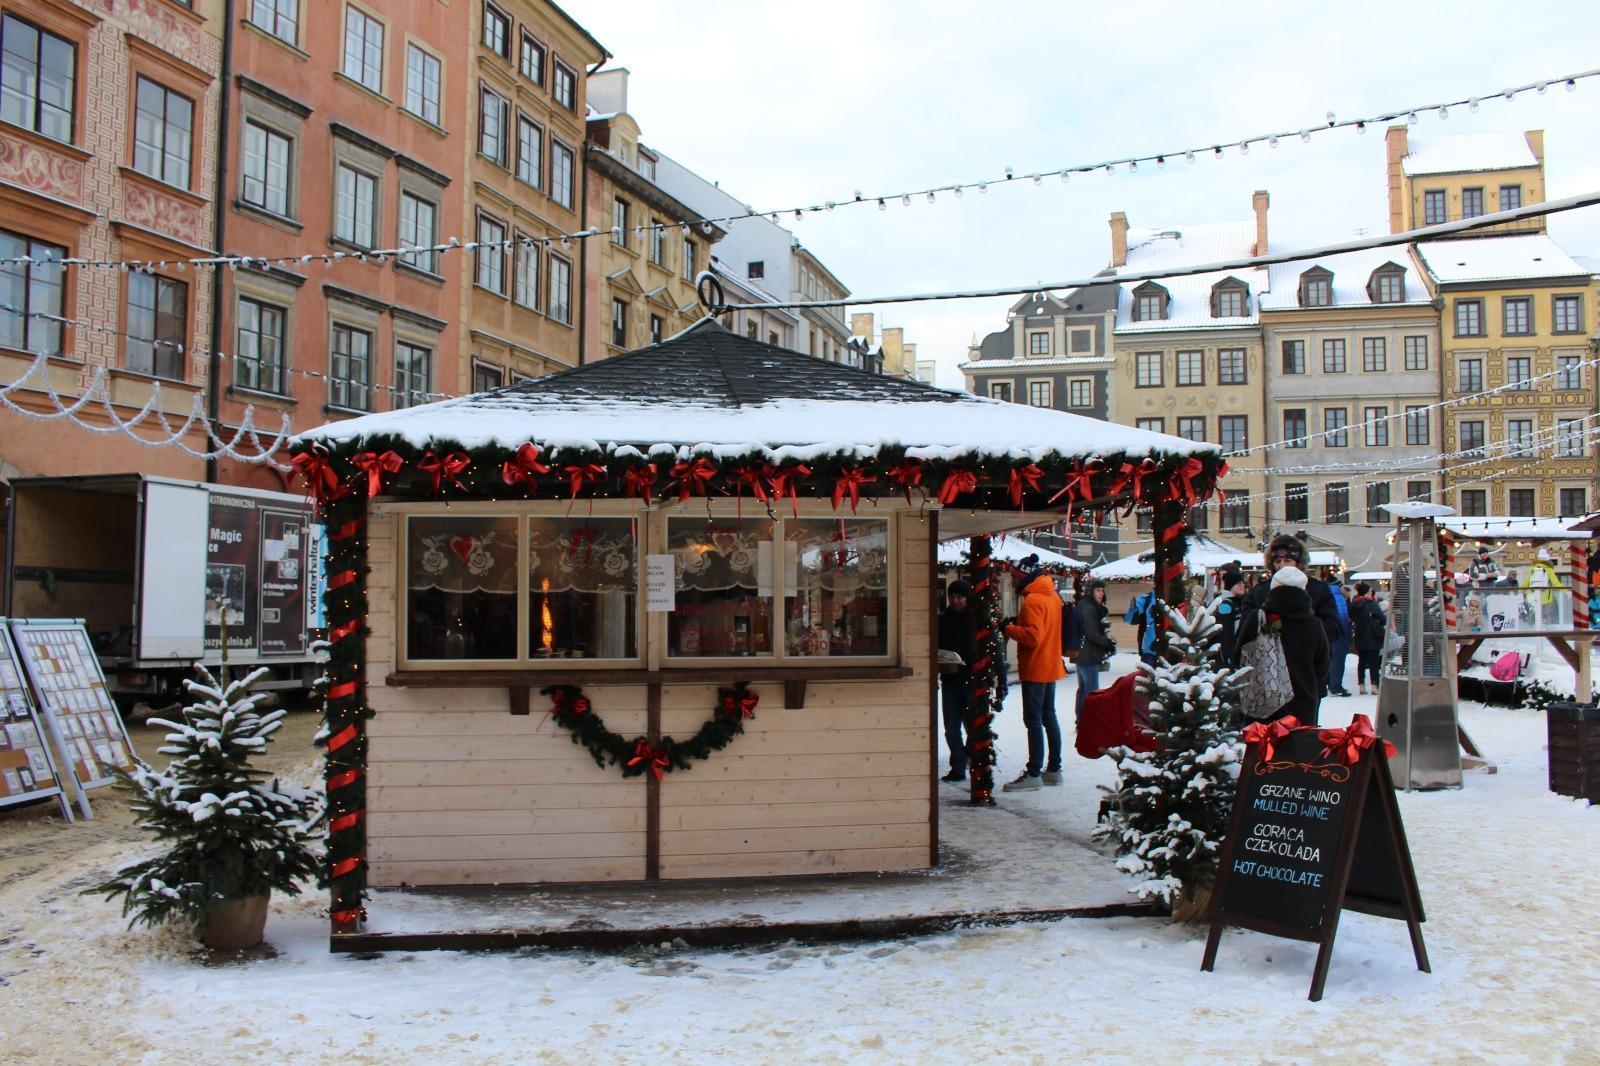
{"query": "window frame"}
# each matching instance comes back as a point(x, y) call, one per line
point(1232, 503)
point(1142, 362)
point(1519, 373)
point(168, 94)
point(1478, 446)
point(1295, 363)
point(494, 16)
point(427, 259)
point(532, 177)
point(1469, 374)
point(281, 370)
point(1080, 392)
point(276, 15)
point(1224, 423)
point(1557, 302)
point(368, 19)
point(524, 41)
point(525, 264)
point(500, 155)
point(1418, 421)
point(1316, 288)
point(1332, 514)
point(35, 123)
point(1335, 355)
point(1379, 493)
point(1519, 444)
point(619, 322)
point(1412, 359)
point(1292, 439)
point(335, 381)
point(1524, 307)
point(1473, 503)
point(1041, 392)
point(269, 134)
point(1516, 191)
point(1569, 372)
point(1191, 432)
point(1432, 198)
point(1233, 366)
point(560, 311)
point(562, 181)
point(358, 174)
point(1474, 194)
point(1297, 501)
point(996, 388)
point(1336, 427)
point(1473, 309)
point(1564, 511)
point(157, 342)
point(1512, 508)
point(1374, 355)
point(481, 264)
point(1038, 341)
point(1375, 426)
point(557, 69)
point(407, 373)
point(437, 100)
point(29, 319)
point(1569, 438)
point(1196, 372)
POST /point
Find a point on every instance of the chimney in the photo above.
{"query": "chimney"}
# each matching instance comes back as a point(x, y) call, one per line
point(1535, 140)
point(1119, 239)
point(607, 91)
point(861, 325)
point(1394, 140)
point(1259, 201)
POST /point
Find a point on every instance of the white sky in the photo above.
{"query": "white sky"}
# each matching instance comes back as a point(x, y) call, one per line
point(787, 103)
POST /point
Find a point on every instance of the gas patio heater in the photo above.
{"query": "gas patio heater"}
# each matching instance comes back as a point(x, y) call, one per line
point(1417, 691)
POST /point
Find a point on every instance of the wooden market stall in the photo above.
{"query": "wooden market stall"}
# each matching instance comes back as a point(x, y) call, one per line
point(671, 615)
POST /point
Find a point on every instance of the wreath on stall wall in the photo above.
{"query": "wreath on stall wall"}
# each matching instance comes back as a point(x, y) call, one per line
point(571, 710)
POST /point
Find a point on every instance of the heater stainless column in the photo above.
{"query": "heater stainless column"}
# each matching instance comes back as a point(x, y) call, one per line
point(1417, 690)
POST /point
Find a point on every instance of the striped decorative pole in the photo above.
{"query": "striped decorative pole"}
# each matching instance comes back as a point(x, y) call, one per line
point(1447, 577)
point(1580, 585)
point(983, 698)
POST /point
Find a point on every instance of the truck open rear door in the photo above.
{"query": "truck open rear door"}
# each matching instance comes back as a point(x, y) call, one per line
point(172, 583)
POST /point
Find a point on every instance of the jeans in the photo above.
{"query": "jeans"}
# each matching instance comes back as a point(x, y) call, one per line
point(1039, 715)
point(1088, 681)
point(1367, 663)
point(1341, 651)
point(954, 704)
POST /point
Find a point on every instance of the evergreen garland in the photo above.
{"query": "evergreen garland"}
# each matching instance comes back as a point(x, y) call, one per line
point(984, 688)
point(571, 710)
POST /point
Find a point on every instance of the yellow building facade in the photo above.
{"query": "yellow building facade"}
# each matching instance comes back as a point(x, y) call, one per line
point(1448, 178)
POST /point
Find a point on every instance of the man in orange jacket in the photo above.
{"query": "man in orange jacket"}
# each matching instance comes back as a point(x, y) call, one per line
point(1037, 631)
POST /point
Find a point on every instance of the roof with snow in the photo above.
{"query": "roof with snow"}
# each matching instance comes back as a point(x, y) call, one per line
point(1531, 255)
point(1042, 363)
point(1351, 271)
point(710, 391)
point(1006, 549)
point(1502, 527)
point(1204, 554)
point(1464, 152)
point(1189, 306)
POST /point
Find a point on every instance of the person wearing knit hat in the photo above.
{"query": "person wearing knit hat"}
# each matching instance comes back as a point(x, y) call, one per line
point(1228, 608)
point(1287, 610)
point(957, 637)
point(1288, 550)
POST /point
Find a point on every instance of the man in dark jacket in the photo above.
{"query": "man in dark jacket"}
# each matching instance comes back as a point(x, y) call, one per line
point(1228, 610)
point(1305, 642)
point(1368, 625)
point(958, 634)
point(1288, 551)
point(1097, 642)
point(1339, 647)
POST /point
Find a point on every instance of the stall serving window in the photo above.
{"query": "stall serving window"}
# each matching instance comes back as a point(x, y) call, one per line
point(461, 588)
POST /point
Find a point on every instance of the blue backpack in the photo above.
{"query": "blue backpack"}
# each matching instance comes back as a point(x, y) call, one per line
point(1071, 631)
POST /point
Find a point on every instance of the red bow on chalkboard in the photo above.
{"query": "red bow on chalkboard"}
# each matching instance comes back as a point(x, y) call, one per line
point(1346, 745)
point(1267, 734)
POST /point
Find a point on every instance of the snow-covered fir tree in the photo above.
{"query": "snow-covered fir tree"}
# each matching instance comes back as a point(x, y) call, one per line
point(229, 834)
point(1169, 810)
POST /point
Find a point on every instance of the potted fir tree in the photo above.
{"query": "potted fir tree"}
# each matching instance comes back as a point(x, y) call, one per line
point(231, 837)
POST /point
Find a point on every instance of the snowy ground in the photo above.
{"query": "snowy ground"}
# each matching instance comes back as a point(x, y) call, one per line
point(1508, 875)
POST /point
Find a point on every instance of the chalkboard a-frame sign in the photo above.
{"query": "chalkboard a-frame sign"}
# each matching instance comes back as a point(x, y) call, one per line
point(1315, 830)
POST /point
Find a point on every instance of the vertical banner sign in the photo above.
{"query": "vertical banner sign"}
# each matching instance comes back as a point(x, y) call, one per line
point(283, 542)
point(27, 766)
point(316, 552)
point(233, 574)
point(660, 583)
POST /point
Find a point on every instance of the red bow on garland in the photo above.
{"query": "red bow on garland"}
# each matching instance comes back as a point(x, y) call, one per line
point(1134, 475)
point(754, 475)
point(956, 484)
point(322, 483)
point(908, 475)
point(694, 479)
point(1080, 483)
point(523, 467)
point(785, 482)
point(563, 705)
point(849, 484)
point(640, 481)
point(740, 708)
point(654, 760)
point(1024, 479)
point(1347, 744)
point(581, 474)
point(1267, 734)
point(1181, 487)
point(376, 466)
point(450, 467)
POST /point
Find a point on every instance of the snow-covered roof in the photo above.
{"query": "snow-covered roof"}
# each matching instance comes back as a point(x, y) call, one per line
point(1501, 527)
point(1000, 365)
point(1008, 549)
point(1190, 303)
point(710, 391)
point(1531, 255)
point(1152, 249)
point(1351, 271)
point(1462, 152)
point(1204, 554)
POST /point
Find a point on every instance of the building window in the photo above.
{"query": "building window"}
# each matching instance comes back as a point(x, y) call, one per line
point(1419, 491)
point(486, 376)
point(1080, 340)
point(1516, 317)
point(1233, 433)
point(1572, 503)
point(1080, 392)
point(757, 270)
point(1000, 390)
point(1039, 394)
point(1416, 353)
point(1519, 372)
point(560, 290)
point(1388, 287)
point(1149, 303)
point(1377, 496)
point(1192, 427)
point(619, 322)
point(38, 79)
point(349, 369)
point(258, 358)
point(1235, 511)
point(1469, 375)
point(266, 169)
point(565, 89)
point(422, 84)
point(29, 293)
point(1377, 427)
point(1567, 314)
point(1191, 368)
point(1417, 420)
point(363, 49)
point(1231, 367)
point(1147, 370)
point(419, 229)
point(619, 222)
point(647, 165)
point(1152, 425)
point(163, 133)
point(752, 329)
point(530, 151)
point(158, 316)
point(1469, 318)
point(1336, 499)
point(1333, 356)
point(1316, 289)
point(1294, 357)
point(1471, 203)
point(493, 113)
point(1569, 371)
point(490, 270)
point(1228, 302)
point(1520, 503)
point(1197, 518)
point(497, 31)
point(1470, 439)
point(530, 60)
point(560, 173)
point(1433, 207)
point(1335, 427)
point(658, 243)
point(1374, 355)
point(655, 330)
point(281, 18)
point(688, 258)
point(1039, 343)
point(413, 373)
point(1474, 503)
point(355, 206)
point(525, 272)
point(1297, 502)
point(1294, 427)
point(1569, 438)
point(445, 588)
point(1519, 438)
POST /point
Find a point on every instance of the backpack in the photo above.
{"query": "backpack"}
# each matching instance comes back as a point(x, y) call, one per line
point(1507, 667)
point(1373, 625)
point(1071, 631)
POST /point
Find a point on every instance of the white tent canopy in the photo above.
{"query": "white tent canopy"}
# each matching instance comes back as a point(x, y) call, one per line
point(1204, 554)
point(1500, 527)
point(1006, 549)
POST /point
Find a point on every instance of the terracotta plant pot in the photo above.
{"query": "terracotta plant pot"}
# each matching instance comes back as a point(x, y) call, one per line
point(237, 924)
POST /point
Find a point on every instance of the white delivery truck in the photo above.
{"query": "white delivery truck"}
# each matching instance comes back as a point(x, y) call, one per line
point(167, 574)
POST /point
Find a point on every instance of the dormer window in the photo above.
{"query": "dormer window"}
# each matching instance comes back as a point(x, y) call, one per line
point(1316, 288)
point(1387, 284)
point(1150, 302)
point(1229, 299)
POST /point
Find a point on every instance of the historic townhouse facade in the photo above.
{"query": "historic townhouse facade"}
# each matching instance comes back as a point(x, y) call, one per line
point(1454, 176)
point(1354, 372)
point(885, 351)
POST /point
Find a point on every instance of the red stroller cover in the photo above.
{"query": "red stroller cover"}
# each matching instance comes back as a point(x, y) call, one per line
point(1113, 716)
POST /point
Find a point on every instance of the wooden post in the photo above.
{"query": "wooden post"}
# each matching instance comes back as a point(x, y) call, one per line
point(934, 684)
point(652, 809)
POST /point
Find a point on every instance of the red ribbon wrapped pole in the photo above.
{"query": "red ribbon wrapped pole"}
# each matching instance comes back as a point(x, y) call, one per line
point(849, 484)
point(376, 466)
point(1346, 745)
point(694, 479)
point(956, 484)
point(1267, 734)
point(1024, 479)
point(523, 467)
point(450, 467)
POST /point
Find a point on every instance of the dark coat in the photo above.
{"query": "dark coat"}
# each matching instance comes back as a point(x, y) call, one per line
point(1228, 610)
point(1362, 609)
point(958, 632)
point(1305, 648)
point(1097, 642)
point(1322, 605)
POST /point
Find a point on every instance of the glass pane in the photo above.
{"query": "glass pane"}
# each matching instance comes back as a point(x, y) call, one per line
point(724, 587)
point(461, 588)
point(836, 595)
point(582, 589)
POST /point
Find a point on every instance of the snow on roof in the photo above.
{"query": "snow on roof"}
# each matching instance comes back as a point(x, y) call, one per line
point(1501, 527)
point(1189, 306)
point(1351, 271)
point(1531, 255)
point(1461, 152)
point(710, 391)
point(1037, 364)
point(1204, 554)
point(1152, 249)
point(1008, 549)
point(1418, 509)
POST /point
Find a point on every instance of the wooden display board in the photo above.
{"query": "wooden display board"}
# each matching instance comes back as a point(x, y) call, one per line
point(27, 766)
point(1310, 837)
point(74, 703)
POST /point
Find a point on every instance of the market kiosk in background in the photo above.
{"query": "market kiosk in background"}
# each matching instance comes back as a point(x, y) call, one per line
point(672, 614)
point(1005, 551)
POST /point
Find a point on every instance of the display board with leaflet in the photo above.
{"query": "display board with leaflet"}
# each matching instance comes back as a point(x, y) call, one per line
point(27, 765)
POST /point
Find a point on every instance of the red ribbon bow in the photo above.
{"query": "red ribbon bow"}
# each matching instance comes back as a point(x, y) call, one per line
point(957, 483)
point(640, 481)
point(376, 466)
point(755, 476)
point(450, 467)
point(908, 475)
point(849, 484)
point(1347, 744)
point(1080, 483)
point(655, 761)
point(523, 467)
point(694, 479)
point(785, 482)
point(581, 474)
point(1267, 734)
point(1182, 486)
point(1134, 475)
point(1024, 479)
point(740, 708)
point(322, 483)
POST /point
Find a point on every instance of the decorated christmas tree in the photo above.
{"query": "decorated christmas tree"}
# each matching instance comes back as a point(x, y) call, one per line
point(1169, 810)
point(229, 834)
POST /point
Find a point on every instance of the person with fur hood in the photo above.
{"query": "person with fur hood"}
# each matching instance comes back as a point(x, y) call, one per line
point(1287, 611)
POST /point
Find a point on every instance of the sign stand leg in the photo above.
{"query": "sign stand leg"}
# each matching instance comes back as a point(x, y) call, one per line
point(1212, 941)
point(1319, 976)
